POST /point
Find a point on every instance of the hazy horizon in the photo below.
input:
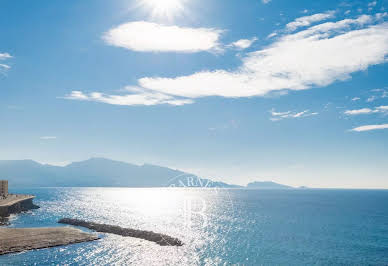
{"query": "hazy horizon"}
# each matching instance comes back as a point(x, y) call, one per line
point(212, 178)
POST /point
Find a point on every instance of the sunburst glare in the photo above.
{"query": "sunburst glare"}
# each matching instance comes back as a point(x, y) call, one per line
point(164, 8)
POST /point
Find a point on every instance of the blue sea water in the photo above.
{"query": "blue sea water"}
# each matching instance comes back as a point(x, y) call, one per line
point(218, 226)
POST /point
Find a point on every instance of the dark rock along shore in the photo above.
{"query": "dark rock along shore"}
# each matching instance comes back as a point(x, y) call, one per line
point(160, 239)
point(18, 204)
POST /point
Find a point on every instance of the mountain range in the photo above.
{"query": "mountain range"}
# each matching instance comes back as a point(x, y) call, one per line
point(101, 172)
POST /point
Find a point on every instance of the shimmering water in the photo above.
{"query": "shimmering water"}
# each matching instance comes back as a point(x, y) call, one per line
point(218, 227)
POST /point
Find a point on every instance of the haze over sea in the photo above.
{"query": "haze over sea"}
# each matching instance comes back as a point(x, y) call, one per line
point(228, 226)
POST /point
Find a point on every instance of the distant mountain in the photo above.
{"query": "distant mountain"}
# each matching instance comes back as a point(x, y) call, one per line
point(98, 172)
point(267, 185)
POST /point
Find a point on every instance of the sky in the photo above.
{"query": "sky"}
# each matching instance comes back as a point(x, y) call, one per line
point(290, 91)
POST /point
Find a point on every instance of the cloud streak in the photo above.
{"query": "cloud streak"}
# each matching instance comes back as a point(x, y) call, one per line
point(48, 137)
point(308, 20)
point(370, 127)
point(379, 109)
point(276, 116)
point(142, 36)
point(133, 99)
point(4, 56)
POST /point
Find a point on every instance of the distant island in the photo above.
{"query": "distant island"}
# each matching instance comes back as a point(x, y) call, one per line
point(101, 172)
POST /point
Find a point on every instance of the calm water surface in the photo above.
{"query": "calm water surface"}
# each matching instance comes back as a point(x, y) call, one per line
point(218, 227)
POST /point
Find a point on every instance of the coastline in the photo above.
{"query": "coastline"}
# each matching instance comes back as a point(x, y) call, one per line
point(13, 240)
point(16, 203)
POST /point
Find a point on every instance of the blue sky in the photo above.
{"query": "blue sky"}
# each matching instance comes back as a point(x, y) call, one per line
point(290, 91)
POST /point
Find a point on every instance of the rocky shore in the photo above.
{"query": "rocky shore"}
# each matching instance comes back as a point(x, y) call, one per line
point(16, 203)
point(20, 239)
point(160, 239)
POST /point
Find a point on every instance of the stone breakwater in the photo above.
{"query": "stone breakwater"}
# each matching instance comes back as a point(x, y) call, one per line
point(160, 239)
point(21, 239)
point(15, 203)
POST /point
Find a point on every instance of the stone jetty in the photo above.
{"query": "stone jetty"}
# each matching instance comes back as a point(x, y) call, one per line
point(160, 239)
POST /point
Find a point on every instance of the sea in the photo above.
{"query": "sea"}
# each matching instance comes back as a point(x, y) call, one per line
point(217, 226)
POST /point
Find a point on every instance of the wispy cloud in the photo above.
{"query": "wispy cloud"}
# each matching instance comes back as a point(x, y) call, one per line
point(4, 56)
point(265, 1)
point(356, 99)
point(379, 109)
point(377, 94)
point(372, 4)
point(276, 116)
point(308, 20)
point(370, 127)
point(243, 43)
point(330, 52)
point(142, 36)
point(48, 137)
point(134, 98)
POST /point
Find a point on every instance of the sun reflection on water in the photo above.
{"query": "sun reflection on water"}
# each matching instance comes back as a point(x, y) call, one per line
point(161, 210)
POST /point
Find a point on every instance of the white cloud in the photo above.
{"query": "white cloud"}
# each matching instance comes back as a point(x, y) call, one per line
point(243, 43)
point(5, 66)
point(293, 62)
point(316, 56)
point(356, 98)
point(371, 98)
point(359, 111)
point(326, 29)
point(383, 108)
point(308, 20)
point(373, 3)
point(4, 56)
point(370, 127)
point(381, 15)
point(276, 116)
point(145, 36)
point(135, 98)
point(378, 94)
point(379, 109)
point(265, 1)
point(273, 34)
point(48, 137)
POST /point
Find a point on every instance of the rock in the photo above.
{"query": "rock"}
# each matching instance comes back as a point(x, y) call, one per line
point(16, 203)
point(160, 239)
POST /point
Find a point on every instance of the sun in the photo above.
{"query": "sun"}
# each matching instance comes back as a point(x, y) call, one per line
point(164, 8)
